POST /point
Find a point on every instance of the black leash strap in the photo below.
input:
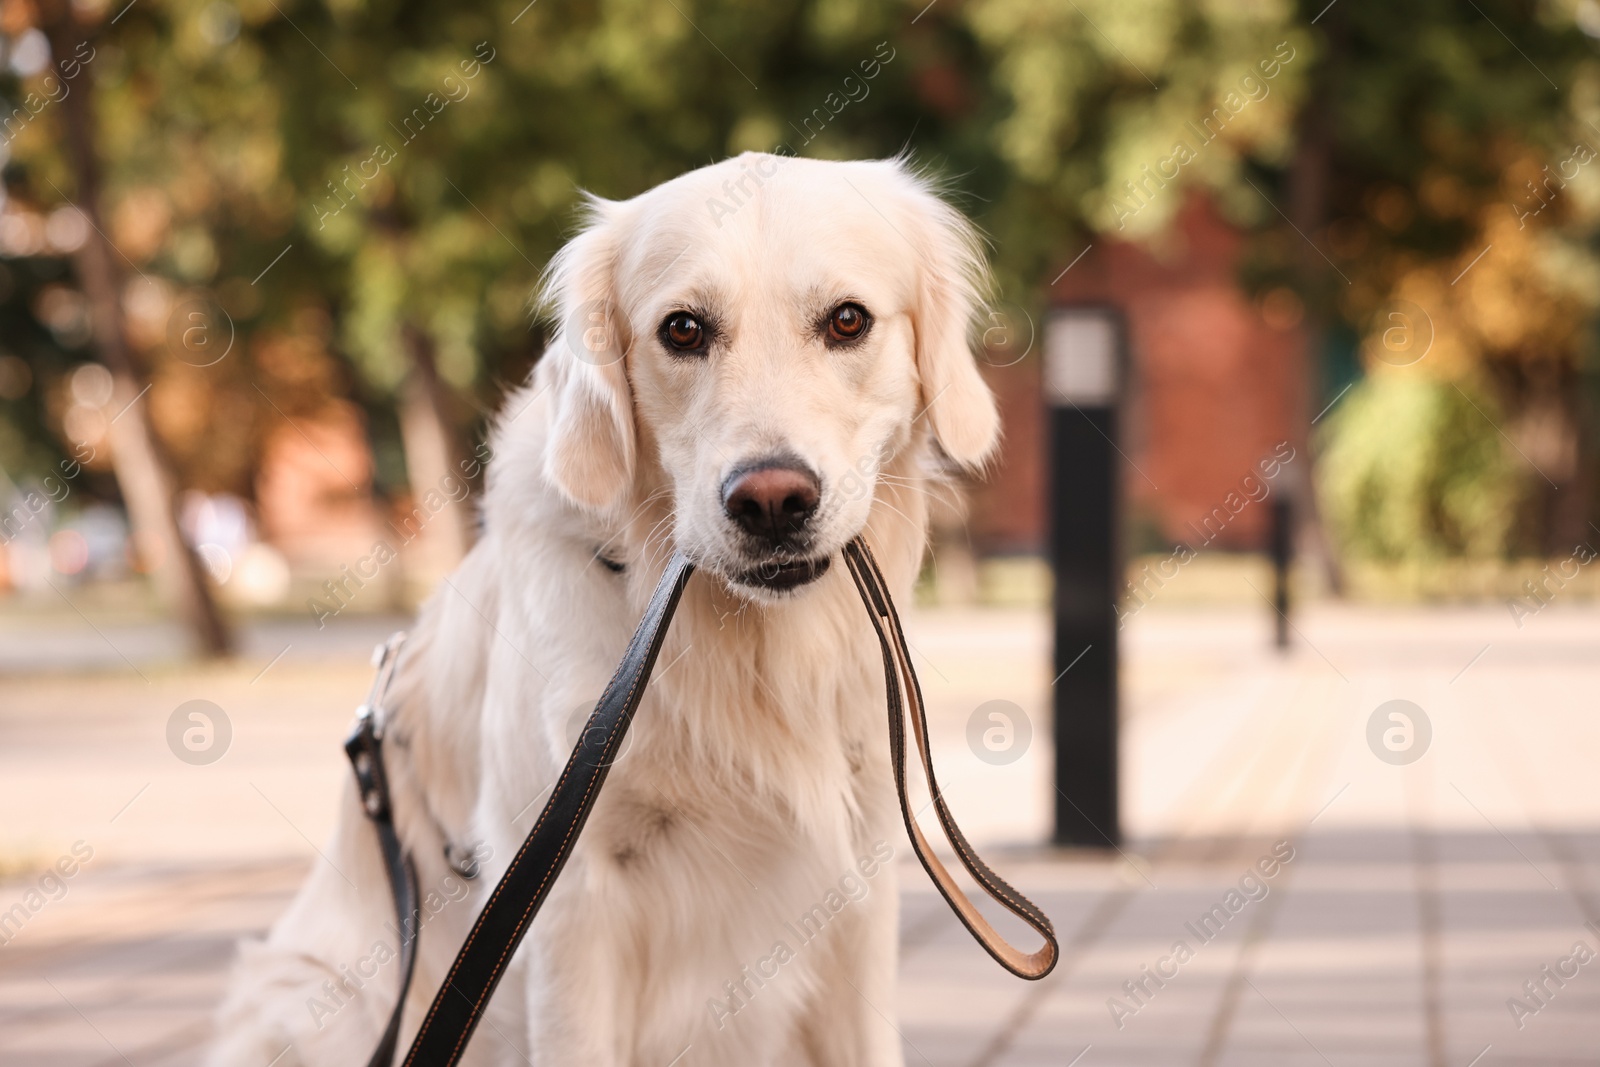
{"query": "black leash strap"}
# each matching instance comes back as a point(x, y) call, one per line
point(365, 749)
point(509, 912)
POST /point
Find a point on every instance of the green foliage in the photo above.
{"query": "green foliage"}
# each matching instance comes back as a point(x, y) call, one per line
point(435, 153)
point(1412, 469)
point(420, 161)
point(1090, 94)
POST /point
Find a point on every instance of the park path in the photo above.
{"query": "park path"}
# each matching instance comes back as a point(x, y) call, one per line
point(1419, 898)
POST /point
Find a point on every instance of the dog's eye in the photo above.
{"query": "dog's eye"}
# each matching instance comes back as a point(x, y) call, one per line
point(847, 322)
point(683, 332)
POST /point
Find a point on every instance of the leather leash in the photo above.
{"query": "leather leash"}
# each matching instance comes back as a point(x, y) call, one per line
point(510, 910)
point(897, 669)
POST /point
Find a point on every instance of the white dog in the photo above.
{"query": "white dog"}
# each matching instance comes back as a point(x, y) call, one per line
point(755, 362)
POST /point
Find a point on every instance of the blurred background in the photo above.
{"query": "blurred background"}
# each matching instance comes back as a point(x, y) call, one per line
point(265, 269)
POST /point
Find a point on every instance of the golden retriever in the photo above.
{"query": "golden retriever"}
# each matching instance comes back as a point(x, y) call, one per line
point(754, 362)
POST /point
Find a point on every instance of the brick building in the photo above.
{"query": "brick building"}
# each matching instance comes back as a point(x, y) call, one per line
point(1215, 381)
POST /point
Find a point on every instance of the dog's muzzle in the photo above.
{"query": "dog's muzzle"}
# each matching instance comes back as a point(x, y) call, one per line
point(772, 502)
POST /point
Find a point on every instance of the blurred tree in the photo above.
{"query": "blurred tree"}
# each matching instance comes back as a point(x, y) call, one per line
point(1425, 157)
point(1105, 111)
point(1114, 112)
point(380, 184)
point(437, 152)
point(1409, 474)
point(144, 473)
point(1393, 148)
point(366, 192)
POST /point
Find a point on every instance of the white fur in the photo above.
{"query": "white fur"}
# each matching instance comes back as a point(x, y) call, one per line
point(756, 785)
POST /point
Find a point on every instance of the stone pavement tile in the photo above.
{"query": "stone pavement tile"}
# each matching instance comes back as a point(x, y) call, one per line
point(30, 644)
point(1567, 1033)
point(131, 963)
point(1483, 972)
point(1416, 905)
point(1203, 1014)
point(145, 1026)
point(86, 759)
point(1140, 924)
point(951, 1009)
point(1291, 1054)
point(1171, 1029)
point(1357, 1012)
point(955, 1002)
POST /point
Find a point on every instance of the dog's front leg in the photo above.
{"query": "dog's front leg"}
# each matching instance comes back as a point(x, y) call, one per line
point(575, 973)
point(851, 1020)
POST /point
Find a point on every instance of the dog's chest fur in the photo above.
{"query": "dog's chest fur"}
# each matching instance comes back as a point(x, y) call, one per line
point(755, 781)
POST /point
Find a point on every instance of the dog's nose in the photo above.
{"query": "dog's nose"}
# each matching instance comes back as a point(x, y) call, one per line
point(772, 501)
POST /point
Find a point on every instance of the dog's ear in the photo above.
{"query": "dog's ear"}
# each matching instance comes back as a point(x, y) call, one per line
point(954, 279)
point(592, 445)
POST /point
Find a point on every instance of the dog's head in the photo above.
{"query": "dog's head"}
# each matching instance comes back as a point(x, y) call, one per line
point(755, 340)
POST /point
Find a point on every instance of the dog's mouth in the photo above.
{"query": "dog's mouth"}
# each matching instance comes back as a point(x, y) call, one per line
point(779, 576)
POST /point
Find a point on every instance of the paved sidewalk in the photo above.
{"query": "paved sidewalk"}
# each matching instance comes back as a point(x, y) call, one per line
point(1418, 900)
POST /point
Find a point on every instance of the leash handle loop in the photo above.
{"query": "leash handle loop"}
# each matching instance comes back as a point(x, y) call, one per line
point(905, 695)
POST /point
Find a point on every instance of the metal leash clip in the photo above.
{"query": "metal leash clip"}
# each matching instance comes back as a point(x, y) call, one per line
point(364, 744)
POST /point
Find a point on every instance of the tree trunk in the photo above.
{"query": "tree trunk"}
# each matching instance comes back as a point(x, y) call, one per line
point(433, 457)
point(1309, 174)
point(143, 471)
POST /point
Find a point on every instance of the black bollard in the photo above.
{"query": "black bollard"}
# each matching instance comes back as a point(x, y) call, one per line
point(1084, 358)
point(1282, 549)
